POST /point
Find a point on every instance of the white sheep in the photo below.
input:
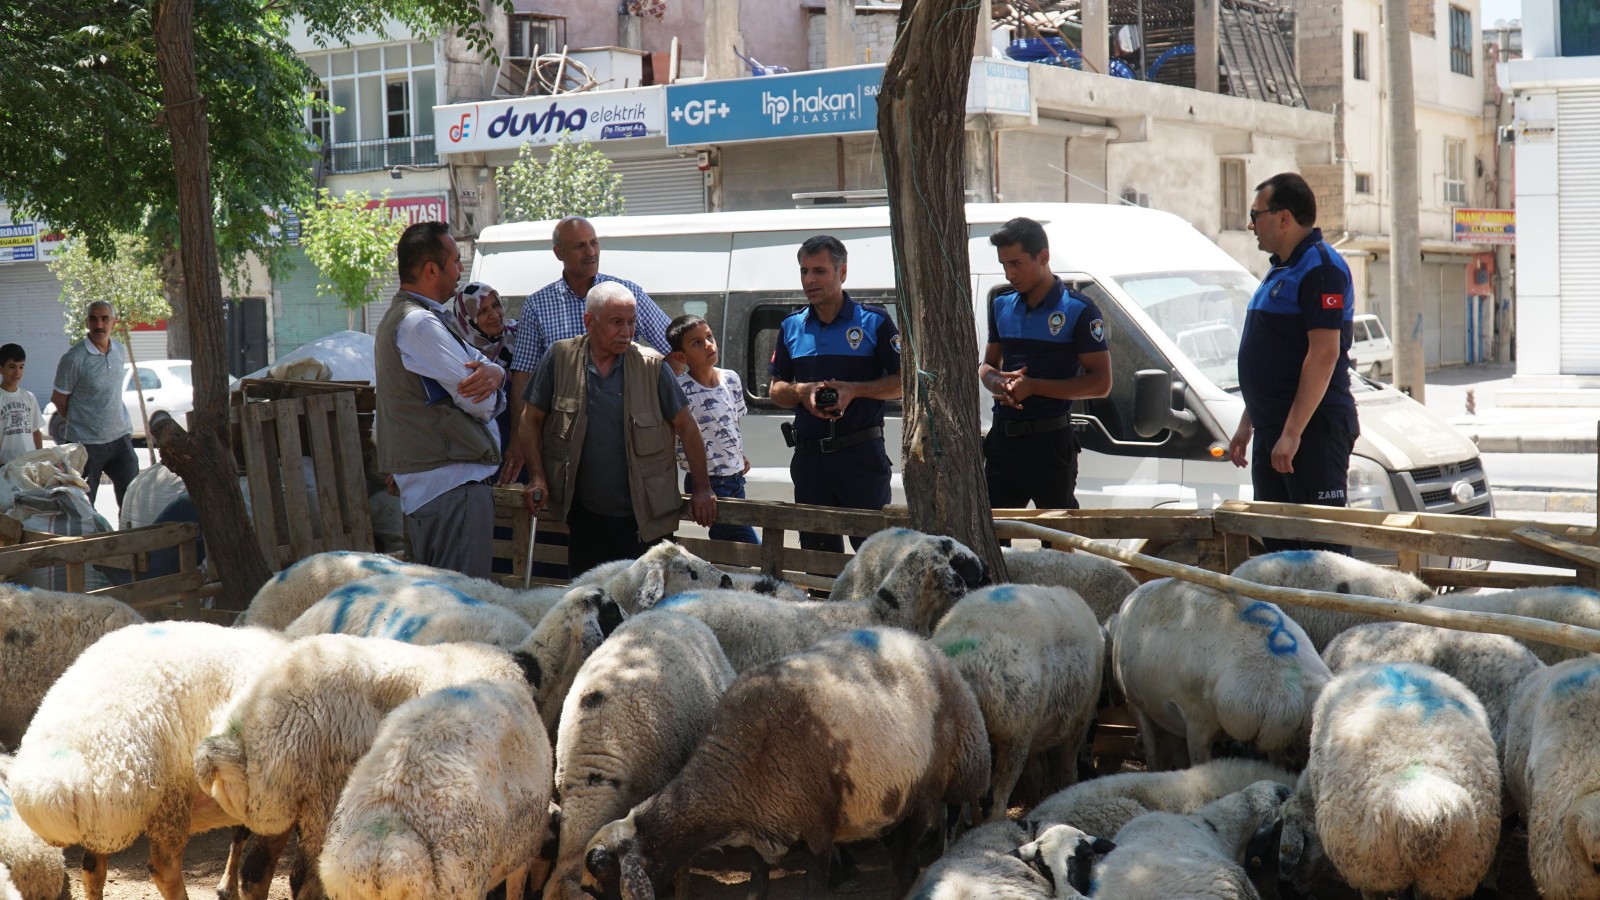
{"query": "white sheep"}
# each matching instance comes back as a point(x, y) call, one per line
point(1104, 805)
point(1160, 856)
point(410, 609)
point(36, 869)
point(1322, 570)
point(1490, 665)
point(1100, 582)
point(662, 571)
point(1551, 740)
point(291, 592)
point(760, 583)
point(921, 575)
point(755, 629)
point(633, 716)
point(44, 632)
point(987, 863)
point(1565, 604)
point(1402, 791)
point(1066, 855)
point(1033, 656)
point(8, 890)
point(1201, 664)
point(287, 743)
point(867, 734)
point(447, 803)
point(110, 754)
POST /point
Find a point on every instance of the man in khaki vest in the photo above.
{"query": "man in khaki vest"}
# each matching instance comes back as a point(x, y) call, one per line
point(598, 426)
point(437, 399)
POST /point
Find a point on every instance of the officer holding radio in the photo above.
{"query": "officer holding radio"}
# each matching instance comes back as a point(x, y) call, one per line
point(836, 363)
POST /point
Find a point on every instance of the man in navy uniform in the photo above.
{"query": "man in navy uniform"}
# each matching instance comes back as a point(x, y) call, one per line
point(1294, 364)
point(836, 363)
point(1047, 347)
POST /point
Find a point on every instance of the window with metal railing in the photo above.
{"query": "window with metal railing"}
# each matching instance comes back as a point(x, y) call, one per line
point(382, 100)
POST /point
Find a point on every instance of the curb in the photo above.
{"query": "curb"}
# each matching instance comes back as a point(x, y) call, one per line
point(1513, 500)
point(1514, 443)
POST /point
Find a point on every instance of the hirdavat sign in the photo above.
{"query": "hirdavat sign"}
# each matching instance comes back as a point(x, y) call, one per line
point(589, 116)
point(828, 101)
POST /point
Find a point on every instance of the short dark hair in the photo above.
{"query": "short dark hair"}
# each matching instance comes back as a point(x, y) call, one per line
point(1290, 192)
point(419, 245)
point(12, 352)
point(1024, 231)
point(681, 326)
point(821, 242)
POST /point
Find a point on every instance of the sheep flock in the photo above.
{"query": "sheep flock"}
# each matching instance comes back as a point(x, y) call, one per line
point(379, 730)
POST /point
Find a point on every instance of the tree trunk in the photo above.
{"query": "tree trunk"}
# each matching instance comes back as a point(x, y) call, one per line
point(204, 457)
point(921, 122)
point(171, 265)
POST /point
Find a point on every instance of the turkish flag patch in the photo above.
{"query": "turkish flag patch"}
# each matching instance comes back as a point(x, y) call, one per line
point(1333, 301)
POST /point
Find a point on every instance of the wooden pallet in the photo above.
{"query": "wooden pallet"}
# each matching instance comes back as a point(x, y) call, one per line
point(179, 593)
point(274, 436)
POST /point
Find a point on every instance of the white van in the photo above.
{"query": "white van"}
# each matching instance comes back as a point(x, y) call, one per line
point(1173, 303)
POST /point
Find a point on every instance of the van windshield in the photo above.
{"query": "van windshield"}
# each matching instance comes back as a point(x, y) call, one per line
point(1201, 312)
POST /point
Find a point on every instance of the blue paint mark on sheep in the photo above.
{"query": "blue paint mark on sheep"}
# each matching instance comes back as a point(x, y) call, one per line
point(1002, 594)
point(1411, 688)
point(679, 599)
point(1297, 557)
point(345, 599)
point(5, 806)
point(1280, 640)
point(377, 564)
point(1576, 682)
point(461, 597)
point(408, 628)
point(155, 631)
point(372, 619)
point(458, 693)
point(866, 638)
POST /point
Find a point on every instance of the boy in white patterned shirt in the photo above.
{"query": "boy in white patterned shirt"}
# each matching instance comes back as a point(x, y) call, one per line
point(716, 397)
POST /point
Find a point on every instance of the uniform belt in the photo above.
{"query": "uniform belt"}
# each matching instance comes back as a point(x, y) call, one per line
point(1035, 426)
point(840, 442)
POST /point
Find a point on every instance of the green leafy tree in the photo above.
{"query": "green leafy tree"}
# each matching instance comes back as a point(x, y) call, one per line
point(129, 282)
point(576, 181)
point(351, 245)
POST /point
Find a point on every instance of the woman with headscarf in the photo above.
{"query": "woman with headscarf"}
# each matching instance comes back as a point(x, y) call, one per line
point(481, 321)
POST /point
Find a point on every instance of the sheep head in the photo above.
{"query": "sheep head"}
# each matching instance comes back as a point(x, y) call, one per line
point(612, 866)
point(1064, 856)
point(220, 766)
point(667, 569)
point(926, 582)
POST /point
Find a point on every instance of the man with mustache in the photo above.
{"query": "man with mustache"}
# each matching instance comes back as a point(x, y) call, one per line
point(88, 394)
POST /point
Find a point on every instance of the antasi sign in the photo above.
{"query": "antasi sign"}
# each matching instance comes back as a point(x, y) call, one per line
point(508, 124)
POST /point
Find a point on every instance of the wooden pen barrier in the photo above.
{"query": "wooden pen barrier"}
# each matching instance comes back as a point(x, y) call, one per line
point(173, 595)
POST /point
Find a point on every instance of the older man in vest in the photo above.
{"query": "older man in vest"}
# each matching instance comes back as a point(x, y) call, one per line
point(437, 399)
point(598, 426)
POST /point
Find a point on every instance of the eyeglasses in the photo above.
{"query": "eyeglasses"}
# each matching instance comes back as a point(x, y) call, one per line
point(1257, 213)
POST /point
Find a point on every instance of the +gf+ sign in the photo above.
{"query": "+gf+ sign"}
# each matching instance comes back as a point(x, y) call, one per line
point(699, 112)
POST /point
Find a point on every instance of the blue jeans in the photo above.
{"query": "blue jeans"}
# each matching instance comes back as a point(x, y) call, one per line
point(728, 486)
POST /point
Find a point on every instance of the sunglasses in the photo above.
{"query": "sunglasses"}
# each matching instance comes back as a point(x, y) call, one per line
point(1258, 213)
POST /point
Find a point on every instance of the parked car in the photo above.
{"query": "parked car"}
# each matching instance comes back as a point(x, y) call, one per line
point(1371, 351)
point(167, 384)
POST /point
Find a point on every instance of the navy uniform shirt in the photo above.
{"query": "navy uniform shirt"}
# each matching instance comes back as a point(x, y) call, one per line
point(860, 344)
point(1309, 290)
point(1048, 339)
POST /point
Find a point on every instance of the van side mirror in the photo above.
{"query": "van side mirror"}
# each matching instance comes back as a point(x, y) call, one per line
point(1153, 412)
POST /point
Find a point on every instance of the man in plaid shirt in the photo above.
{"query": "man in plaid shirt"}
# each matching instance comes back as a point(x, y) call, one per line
point(555, 313)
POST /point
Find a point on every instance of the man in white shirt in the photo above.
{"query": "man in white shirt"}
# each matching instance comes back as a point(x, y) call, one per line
point(437, 399)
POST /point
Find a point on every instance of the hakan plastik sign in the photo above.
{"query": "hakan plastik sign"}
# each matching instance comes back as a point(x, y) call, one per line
point(508, 124)
point(829, 101)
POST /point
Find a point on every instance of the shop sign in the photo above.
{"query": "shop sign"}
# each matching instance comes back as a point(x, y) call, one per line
point(998, 87)
point(1486, 226)
point(800, 104)
point(411, 210)
point(19, 242)
point(588, 116)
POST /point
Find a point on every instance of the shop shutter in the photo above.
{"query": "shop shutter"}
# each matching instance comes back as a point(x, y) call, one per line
point(1578, 158)
point(30, 302)
point(1032, 167)
point(766, 174)
point(665, 185)
point(1086, 160)
point(1453, 313)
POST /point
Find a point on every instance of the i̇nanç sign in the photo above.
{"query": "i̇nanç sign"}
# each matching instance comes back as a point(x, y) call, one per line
point(589, 116)
point(828, 101)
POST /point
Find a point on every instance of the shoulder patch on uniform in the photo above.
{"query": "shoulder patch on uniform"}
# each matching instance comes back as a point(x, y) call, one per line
point(1057, 321)
point(1333, 301)
point(895, 343)
point(854, 336)
point(1097, 330)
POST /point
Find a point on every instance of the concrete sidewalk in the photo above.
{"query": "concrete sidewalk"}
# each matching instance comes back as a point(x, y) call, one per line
point(1465, 397)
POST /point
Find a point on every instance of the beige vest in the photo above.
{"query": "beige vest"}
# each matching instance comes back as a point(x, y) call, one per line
point(652, 460)
point(412, 435)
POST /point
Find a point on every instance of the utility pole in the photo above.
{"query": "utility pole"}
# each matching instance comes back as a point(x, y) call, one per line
point(722, 39)
point(841, 36)
point(1405, 246)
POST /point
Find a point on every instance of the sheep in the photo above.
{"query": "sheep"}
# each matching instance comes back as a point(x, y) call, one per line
point(1402, 790)
point(755, 629)
point(287, 743)
point(1203, 664)
point(1490, 665)
point(35, 869)
point(1565, 604)
point(291, 592)
point(869, 733)
point(108, 757)
point(1551, 775)
point(1033, 656)
point(44, 632)
point(760, 583)
point(921, 575)
point(1100, 582)
point(410, 609)
point(987, 863)
point(662, 571)
point(633, 716)
point(1067, 857)
point(1322, 570)
point(443, 805)
point(1104, 805)
point(8, 890)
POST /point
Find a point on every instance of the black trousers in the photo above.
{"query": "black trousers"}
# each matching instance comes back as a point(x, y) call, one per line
point(1042, 468)
point(853, 478)
point(594, 539)
point(1320, 477)
point(116, 459)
